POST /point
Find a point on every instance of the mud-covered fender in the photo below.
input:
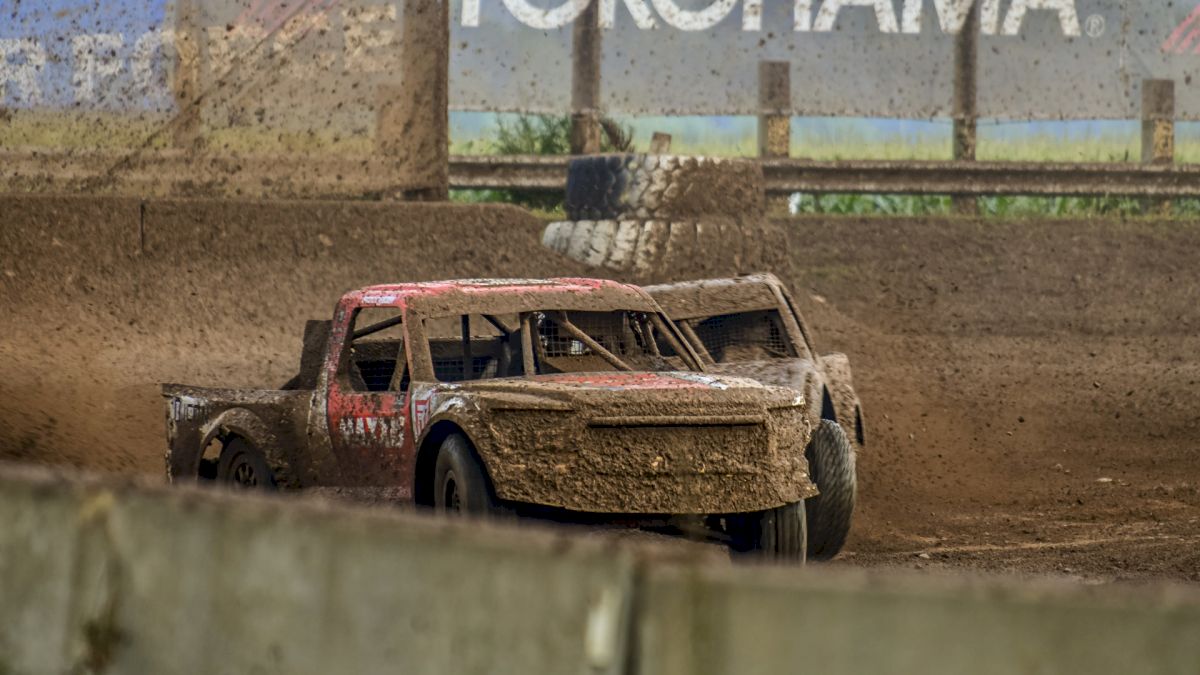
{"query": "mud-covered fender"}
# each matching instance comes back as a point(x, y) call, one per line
point(505, 458)
point(183, 461)
point(799, 375)
point(846, 404)
point(464, 412)
point(244, 424)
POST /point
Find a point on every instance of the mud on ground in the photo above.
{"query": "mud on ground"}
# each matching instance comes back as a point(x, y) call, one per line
point(1029, 386)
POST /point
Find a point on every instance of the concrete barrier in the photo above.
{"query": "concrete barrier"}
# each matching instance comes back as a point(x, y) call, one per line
point(105, 578)
point(115, 578)
point(772, 621)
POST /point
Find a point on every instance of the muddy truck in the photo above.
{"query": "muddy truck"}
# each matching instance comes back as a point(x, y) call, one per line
point(749, 326)
point(573, 399)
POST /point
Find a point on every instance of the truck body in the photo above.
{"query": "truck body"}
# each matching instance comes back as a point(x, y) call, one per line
point(572, 394)
point(749, 326)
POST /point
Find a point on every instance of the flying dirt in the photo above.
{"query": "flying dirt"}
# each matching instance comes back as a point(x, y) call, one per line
point(1004, 378)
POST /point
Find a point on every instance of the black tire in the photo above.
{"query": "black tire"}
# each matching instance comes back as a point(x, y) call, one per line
point(460, 485)
point(663, 187)
point(831, 463)
point(595, 185)
point(777, 534)
point(241, 465)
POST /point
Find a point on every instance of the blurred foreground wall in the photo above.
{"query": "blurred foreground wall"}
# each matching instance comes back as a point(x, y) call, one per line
point(105, 577)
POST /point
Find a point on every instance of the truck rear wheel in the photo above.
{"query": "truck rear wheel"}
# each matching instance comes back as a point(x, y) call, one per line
point(459, 484)
point(831, 464)
point(241, 465)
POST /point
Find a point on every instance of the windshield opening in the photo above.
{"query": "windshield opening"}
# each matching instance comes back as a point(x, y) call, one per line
point(483, 346)
point(575, 341)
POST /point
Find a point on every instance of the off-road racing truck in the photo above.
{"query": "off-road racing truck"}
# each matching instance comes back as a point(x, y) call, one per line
point(561, 396)
point(749, 326)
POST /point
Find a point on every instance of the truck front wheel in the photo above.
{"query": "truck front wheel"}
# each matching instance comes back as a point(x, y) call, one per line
point(459, 483)
point(831, 463)
point(243, 466)
point(780, 533)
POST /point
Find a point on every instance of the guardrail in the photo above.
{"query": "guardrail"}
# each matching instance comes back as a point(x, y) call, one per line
point(784, 176)
point(175, 171)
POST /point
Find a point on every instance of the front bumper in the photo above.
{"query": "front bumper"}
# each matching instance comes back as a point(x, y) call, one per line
point(665, 465)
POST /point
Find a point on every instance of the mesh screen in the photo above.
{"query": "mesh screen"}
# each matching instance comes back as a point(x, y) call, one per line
point(451, 370)
point(745, 336)
point(627, 335)
point(377, 375)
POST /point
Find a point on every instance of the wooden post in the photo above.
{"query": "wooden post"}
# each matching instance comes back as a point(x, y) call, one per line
point(775, 105)
point(185, 132)
point(966, 111)
point(1158, 131)
point(412, 119)
point(660, 143)
point(775, 118)
point(585, 82)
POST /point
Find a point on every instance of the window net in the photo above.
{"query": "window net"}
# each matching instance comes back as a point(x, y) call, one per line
point(744, 336)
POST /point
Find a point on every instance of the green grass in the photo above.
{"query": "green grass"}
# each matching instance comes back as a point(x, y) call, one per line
point(734, 136)
point(110, 131)
point(989, 207)
point(74, 131)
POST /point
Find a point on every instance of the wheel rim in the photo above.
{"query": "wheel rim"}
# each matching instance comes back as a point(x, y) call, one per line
point(243, 473)
point(451, 499)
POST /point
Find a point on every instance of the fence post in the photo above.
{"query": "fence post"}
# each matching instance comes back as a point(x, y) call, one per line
point(774, 117)
point(412, 120)
point(660, 143)
point(1158, 131)
point(186, 85)
point(585, 82)
point(966, 111)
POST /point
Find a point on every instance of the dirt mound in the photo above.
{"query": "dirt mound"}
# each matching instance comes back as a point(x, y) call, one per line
point(1029, 387)
point(107, 298)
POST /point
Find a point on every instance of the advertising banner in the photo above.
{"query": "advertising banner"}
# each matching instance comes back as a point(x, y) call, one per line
point(305, 62)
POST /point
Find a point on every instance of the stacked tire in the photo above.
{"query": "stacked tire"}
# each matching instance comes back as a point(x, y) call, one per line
point(647, 213)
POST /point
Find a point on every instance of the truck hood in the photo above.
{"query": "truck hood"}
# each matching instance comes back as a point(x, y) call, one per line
point(668, 380)
point(668, 393)
point(798, 374)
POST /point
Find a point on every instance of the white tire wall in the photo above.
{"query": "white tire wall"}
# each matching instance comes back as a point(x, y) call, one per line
point(651, 249)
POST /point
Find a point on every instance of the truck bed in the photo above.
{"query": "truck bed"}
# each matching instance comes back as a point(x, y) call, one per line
point(198, 416)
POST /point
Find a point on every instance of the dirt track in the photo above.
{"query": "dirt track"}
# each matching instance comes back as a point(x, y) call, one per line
point(1006, 368)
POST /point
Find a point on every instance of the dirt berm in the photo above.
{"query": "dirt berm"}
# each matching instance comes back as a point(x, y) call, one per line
point(1030, 386)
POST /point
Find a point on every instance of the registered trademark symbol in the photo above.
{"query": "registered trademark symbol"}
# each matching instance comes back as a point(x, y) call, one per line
point(1094, 26)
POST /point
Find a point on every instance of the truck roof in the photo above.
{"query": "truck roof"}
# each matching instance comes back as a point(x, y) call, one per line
point(708, 297)
point(457, 292)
